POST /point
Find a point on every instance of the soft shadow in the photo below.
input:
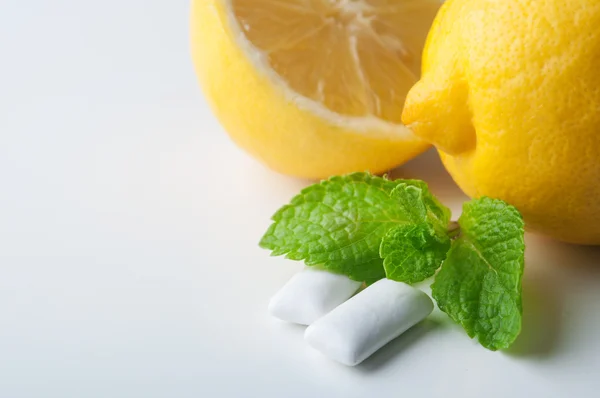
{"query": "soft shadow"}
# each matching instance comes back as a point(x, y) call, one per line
point(542, 311)
point(553, 270)
point(288, 327)
point(395, 347)
point(578, 260)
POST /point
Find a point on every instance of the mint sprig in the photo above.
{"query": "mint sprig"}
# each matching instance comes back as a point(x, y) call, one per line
point(369, 227)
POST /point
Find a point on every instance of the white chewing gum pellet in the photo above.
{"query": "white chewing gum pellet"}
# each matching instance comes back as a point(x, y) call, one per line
point(310, 294)
point(357, 328)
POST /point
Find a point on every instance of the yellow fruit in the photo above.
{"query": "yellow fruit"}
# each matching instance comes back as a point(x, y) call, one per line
point(510, 95)
point(313, 87)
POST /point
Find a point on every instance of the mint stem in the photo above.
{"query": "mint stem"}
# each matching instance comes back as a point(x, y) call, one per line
point(453, 230)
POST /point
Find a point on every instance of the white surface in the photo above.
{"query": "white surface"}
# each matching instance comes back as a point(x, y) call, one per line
point(124, 210)
point(310, 294)
point(356, 329)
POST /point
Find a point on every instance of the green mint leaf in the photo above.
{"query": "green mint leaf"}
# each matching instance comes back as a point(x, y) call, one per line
point(479, 285)
point(437, 213)
point(340, 223)
point(413, 252)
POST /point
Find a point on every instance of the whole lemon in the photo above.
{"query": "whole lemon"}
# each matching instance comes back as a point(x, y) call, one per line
point(313, 88)
point(510, 95)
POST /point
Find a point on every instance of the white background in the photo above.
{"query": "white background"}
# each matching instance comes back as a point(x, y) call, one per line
point(129, 223)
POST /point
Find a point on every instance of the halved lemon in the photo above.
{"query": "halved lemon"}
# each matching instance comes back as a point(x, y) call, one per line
point(313, 87)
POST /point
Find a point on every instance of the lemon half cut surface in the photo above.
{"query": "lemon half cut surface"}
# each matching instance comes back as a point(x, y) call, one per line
point(313, 87)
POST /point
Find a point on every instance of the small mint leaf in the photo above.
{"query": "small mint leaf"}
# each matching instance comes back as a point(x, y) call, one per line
point(437, 213)
point(412, 253)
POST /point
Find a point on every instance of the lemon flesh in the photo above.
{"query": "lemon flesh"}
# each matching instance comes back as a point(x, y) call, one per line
point(510, 95)
point(313, 87)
